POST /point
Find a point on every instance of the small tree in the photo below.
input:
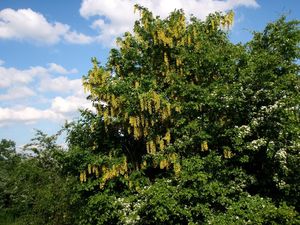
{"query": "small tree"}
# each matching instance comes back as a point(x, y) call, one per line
point(153, 91)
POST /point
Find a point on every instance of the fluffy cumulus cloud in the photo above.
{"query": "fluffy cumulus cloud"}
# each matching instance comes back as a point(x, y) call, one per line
point(70, 104)
point(53, 67)
point(60, 84)
point(52, 85)
point(18, 92)
point(111, 18)
point(13, 76)
point(26, 24)
point(114, 17)
point(77, 38)
point(27, 115)
point(61, 109)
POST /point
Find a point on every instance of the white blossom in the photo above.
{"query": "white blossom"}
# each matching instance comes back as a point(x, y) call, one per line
point(256, 144)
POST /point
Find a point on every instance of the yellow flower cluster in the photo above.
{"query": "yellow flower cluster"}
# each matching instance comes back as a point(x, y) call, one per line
point(178, 108)
point(227, 153)
point(106, 117)
point(115, 171)
point(172, 34)
point(89, 169)
point(167, 161)
point(113, 101)
point(228, 19)
point(82, 176)
point(178, 62)
point(158, 143)
point(189, 39)
point(136, 84)
point(177, 168)
point(136, 123)
point(162, 38)
point(150, 103)
point(92, 169)
point(225, 21)
point(164, 164)
point(168, 136)
point(204, 146)
point(107, 173)
point(166, 60)
point(144, 165)
point(95, 170)
point(122, 169)
point(151, 147)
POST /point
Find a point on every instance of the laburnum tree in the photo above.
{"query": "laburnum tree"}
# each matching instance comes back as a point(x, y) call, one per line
point(191, 128)
point(152, 91)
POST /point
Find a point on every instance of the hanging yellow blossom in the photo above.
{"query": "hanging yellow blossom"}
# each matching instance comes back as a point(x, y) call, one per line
point(177, 168)
point(152, 147)
point(144, 165)
point(166, 60)
point(161, 144)
point(227, 153)
point(89, 168)
point(81, 177)
point(168, 136)
point(204, 146)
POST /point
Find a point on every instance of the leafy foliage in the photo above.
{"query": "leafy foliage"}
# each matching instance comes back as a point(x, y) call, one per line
point(190, 129)
point(35, 189)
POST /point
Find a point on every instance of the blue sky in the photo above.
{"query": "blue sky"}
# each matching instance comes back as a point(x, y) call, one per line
point(46, 47)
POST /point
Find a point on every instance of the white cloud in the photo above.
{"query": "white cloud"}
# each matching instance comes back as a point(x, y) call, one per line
point(77, 38)
point(53, 67)
point(27, 115)
point(17, 93)
point(26, 24)
point(45, 84)
point(60, 109)
point(60, 84)
point(1, 62)
point(70, 104)
point(12, 76)
point(116, 16)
